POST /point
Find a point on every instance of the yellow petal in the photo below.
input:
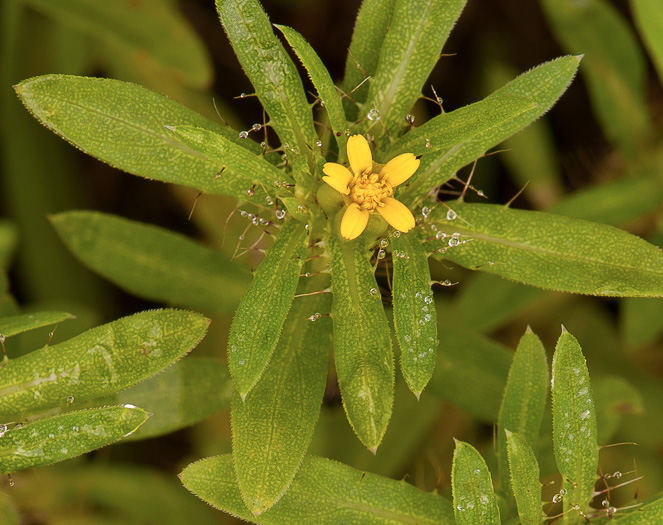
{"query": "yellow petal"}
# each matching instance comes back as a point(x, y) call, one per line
point(353, 222)
point(359, 154)
point(396, 214)
point(338, 177)
point(399, 169)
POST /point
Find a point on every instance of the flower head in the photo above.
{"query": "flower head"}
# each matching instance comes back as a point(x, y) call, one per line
point(368, 192)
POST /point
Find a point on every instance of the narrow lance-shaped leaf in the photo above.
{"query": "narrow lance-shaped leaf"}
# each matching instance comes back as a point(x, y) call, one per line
point(370, 30)
point(524, 399)
point(65, 436)
point(650, 512)
point(415, 318)
point(151, 29)
point(152, 262)
point(273, 426)
point(649, 18)
point(8, 242)
point(550, 251)
point(270, 70)
point(17, 324)
point(263, 310)
point(99, 362)
point(574, 423)
point(186, 393)
point(524, 478)
point(474, 498)
point(362, 342)
point(411, 48)
point(324, 492)
point(323, 83)
point(125, 125)
point(458, 137)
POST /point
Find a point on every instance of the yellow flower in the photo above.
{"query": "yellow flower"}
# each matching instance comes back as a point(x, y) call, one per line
point(368, 192)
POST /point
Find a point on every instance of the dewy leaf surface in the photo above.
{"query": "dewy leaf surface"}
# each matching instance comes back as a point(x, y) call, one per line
point(524, 399)
point(574, 422)
point(415, 317)
point(124, 125)
point(152, 262)
point(323, 492)
point(99, 362)
point(65, 436)
point(474, 499)
point(263, 310)
point(273, 426)
point(411, 48)
point(362, 342)
point(270, 70)
point(550, 251)
point(17, 324)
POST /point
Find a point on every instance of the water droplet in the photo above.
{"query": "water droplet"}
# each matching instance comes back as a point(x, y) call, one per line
point(563, 492)
point(576, 371)
point(322, 103)
point(611, 511)
point(406, 338)
point(428, 299)
point(318, 143)
point(583, 391)
point(396, 234)
point(263, 144)
point(605, 503)
point(384, 243)
point(453, 241)
point(480, 193)
point(243, 134)
point(70, 400)
point(74, 429)
point(440, 235)
point(280, 214)
point(617, 474)
point(51, 436)
point(584, 415)
point(256, 127)
point(373, 114)
point(427, 317)
point(3, 429)
point(470, 505)
point(557, 498)
point(484, 499)
point(315, 317)
point(373, 291)
point(451, 215)
point(381, 254)
point(410, 118)
point(428, 144)
point(425, 211)
point(2, 338)
point(277, 184)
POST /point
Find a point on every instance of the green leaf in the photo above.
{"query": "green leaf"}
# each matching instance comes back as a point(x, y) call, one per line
point(231, 161)
point(550, 251)
point(152, 30)
point(323, 83)
point(183, 395)
point(574, 423)
point(124, 125)
point(324, 492)
point(411, 48)
point(370, 30)
point(650, 512)
point(17, 324)
point(524, 478)
point(98, 362)
point(649, 19)
point(466, 358)
point(65, 436)
point(474, 499)
point(614, 68)
point(152, 262)
point(8, 243)
point(273, 426)
point(642, 320)
point(270, 70)
point(461, 136)
point(415, 317)
point(524, 399)
point(362, 342)
point(263, 310)
point(8, 513)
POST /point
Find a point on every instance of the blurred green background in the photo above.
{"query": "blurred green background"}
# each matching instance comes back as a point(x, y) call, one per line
point(596, 155)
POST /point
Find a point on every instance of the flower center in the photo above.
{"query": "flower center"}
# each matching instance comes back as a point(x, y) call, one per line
point(368, 191)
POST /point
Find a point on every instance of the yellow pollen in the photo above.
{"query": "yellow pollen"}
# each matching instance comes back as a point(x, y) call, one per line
point(368, 191)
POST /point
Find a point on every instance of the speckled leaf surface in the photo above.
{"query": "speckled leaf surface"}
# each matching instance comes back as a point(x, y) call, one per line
point(415, 317)
point(263, 309)
point(574, 422)
point(17, 324)
point(550, 251)
point(525, 482)
point(124, 125)
point(324, 492)
point(99, 362)
point(65, 436)
point(362, 342)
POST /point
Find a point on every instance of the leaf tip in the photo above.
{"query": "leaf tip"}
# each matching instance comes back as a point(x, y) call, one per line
point(529, 330)
point(256, 512)
point(564, 330)
point(171, 128)
point(243, 396)
point(374, 450)
point(579, 57)
point(417, 394)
